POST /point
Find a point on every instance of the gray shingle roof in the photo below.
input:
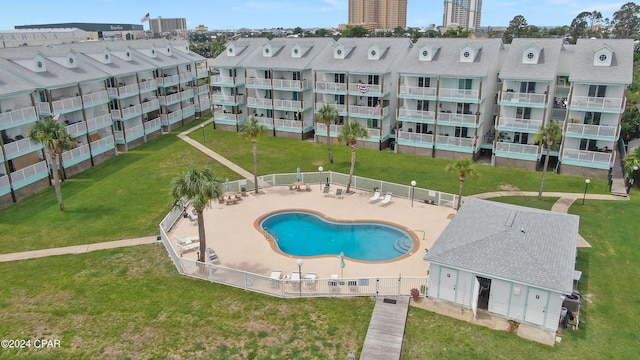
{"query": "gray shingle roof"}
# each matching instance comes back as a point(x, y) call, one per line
point(620, 71)
point(282, 59)
point(545, 69)
point(446, 60)
point(516, 243)
point(244, 47)
point(11, 84)
point(356, 59)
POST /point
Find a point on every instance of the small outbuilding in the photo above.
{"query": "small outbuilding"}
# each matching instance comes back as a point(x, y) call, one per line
point(512, 261)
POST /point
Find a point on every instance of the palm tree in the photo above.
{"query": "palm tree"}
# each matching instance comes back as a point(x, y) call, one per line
point(349, 134)
point(55, 139)
point(198, 187)
point(631, 164)
point(464, 167)
point(328, 115)
point(252, 130)
point(548, 136)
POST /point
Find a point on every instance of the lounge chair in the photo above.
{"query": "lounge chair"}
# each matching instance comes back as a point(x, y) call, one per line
point(310, 281)
point(327, 191)
point(386, 200)
point(212, 254)
point(339, 193)
point(375, 197)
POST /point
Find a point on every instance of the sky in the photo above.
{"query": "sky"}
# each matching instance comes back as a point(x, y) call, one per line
point(261, 14)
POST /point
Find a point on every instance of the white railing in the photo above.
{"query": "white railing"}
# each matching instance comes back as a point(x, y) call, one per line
point(591, 130)
point(77, 128)
point(459, 94)
point(76, 153)
point(321, 129)
point(35, 170)
point(288, 124)
point(201, 72)
point(171, 118)
point(204, 104)
point(66, 105)
point(169, 80)
point(367, 110)
point(203, 89)
point(152, 124)
point(522, 149)
point(596, 103)
point(253, 101)
point(415, 137)
point(170, 99)
point(7, 119)
point(150, 105)
point(21, 147)
point(131, 111)
point(186, 77)
point(365, 88)
point(4, 181)
point(374, 132)
point(147, 85)
point(95, 98)
point(134, 131)
point(288, 104)
point(417, 91)
point(220, 115)
point(513, 124)
point(186, 94)
point(417, 114)
point(119, 135)
point(105, 143)
point(454, 141)
point(43, 108)
point(218, 98)
point(331, 86)
point(259, 81)
point(340, 107)
point(99, 122)
point(289, 84)
point(188, 110)
point(219, 79)
point(123, 91)
point(523, 98)
point(467, 119)
point(268, 122)
point(585, 156)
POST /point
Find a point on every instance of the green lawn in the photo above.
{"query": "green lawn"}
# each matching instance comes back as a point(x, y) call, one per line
point(131, 303)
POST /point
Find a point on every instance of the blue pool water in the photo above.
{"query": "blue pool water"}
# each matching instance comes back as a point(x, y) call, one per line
point(301, 233)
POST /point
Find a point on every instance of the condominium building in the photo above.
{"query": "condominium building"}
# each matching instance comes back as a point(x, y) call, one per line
point(94, 31)
point(462, 13)
point(445, 98)
point(110, 96)
point(167, 25)
point(378, 14)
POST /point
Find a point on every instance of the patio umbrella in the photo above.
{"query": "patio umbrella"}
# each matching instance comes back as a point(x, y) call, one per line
point(298, 173)
point(226, 185)
point(342, 264)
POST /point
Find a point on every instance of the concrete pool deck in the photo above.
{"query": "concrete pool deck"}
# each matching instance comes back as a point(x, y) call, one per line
point(231, 233)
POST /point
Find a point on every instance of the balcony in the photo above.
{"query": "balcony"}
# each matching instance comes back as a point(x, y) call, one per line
point(598, 132)
point(288, 125)
point(43, 108)
point(124, 91)
point(222, 117)
point(368, 111)
point(167, 80)
point(459, 94)
point(5, 186)
point(516, 124)
point(188, 111)
point(417, 116)
point(63, 106)
point(99, 122)
point(585, 158)
point(365, 89)
point(204, 104)
point(170, 99)
point(96, 98)
point(599, 104)
point(134, 132)
point(259, 102)
point(287, 104)
point(76, 155)
point(517, 151)
point(21, 147)
point(19, 117)
point(127, 113)
point(321, 129)
point(509, 98)
point(171, 118)
point(77, 129)
point(456, 119)
point(186, 94)
point(228, 99)
point(152, 125)
point(417, 92)
point(331, 87)
point(29, 175)
point(225, 80)
point(186, 77)
point(150, 105)
point(201, 73)
point(102, 145)
point(267, 122)
point(342, 109)
point(454, 143)
point(147, 85)
point(415, 139)
point(289, 84)
point(258, 82)
point(203, 89)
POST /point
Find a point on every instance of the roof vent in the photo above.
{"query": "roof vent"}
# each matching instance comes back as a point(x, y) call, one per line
point(510, 219)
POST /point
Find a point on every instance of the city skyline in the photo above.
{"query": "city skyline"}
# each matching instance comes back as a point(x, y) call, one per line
point(253, 14)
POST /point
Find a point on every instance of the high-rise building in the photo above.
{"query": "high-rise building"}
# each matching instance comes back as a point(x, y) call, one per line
point(462, 13)
point(378, 14)
point(168, 25)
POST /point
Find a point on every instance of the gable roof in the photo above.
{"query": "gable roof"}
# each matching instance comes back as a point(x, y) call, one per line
point(282, 58)
point(546, 68)
point(357, 55)
point(525, 245)
point(243, 47)
point(620, 71)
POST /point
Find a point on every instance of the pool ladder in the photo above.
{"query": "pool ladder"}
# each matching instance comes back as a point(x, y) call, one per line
point(272, 233)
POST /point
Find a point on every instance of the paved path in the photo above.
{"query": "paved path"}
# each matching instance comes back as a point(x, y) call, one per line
point(386, 329)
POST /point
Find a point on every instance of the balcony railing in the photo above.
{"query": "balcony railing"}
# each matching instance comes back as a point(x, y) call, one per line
point(374, 132)
point(459, 94)
point(288, 124)
point(454, 141)
point(258, 82)
point(252, 101)
point(220, 115)
point(150, 105)
point(287, 104)
point(171, 118)
point(20, 147)
point(186, 77)
point(204, 105)
point(268, 122)
point(368, 89)
point(73, 156)
point(147, 85)
point(416, 91)
point(375, 111)
point(321, 129)
point(597, 131)
point(289, 84)
point(518, 98)
point(170, 99)
point(203, 89)
point(4, 184)
point(43, 108)
point(152, 125)
point(519, 149)
point(99, 122)
point(186, 94)
point(225, 80)
point(76, 129)
point(127, 112)
point(417, 115)
point(100, 97)
point(134, 132)
point(515, 124)
point(168, 80)
point(33, 172)
point(15, 117)
point(331, 86)
point(596, 103)
point(451, 118)
point(417, 138)
point(188, 110)
point(342, 109)
point(67, 105)
point(201, 73)
point(584, 156)
point(124, 91)
point(102, 145)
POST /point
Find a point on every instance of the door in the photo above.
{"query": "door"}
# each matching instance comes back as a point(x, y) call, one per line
point(448, 281)
point(536, 306)
point(474, 299)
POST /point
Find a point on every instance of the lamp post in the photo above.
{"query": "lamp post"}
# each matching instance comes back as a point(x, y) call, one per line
point(204, 139)
point(300, 262)
point(320, 170)
point(413, 190)
point(586, 185)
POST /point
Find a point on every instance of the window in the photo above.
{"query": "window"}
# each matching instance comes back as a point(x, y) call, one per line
point(465, 84)
point(267, 94)
point(267, 74)
point(39, 64)
point(339, 52)
point(423, 105)
point(520, 138)
point(230, 50)
point(339, 78)
point(597, 90)
point(602, 57)
point(463, 108)
point(527, 87)
point(339, 99)
point(295, 96)
point(461, 131)
point(373, 79)
point(296, 75)
point(466, 54)
point(592, 118)
point(373, 53)
point(266, 51)
point(295, 51)
point(523, 113)
point(588, 144)
point(232, 73)
point(425, 53)
point(531, 55)
point(372, 123)
point(424, 82)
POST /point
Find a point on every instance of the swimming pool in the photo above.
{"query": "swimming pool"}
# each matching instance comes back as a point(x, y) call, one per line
point(305, 233)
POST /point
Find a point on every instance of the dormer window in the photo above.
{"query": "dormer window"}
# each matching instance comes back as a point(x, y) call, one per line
point(425, 53)
point(374, 53)
point(531, 54)
point(39, 65)
point(468, 53)
point(296, 51)
point(70, 60)
point(106, 57)
point(603, 56)
point(339, 52)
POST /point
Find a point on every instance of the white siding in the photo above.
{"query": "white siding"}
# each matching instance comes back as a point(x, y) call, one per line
point(518, 297)
point(464, 291)
point(499, 297)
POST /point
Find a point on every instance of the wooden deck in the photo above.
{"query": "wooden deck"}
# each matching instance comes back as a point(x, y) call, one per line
point(386, 329)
